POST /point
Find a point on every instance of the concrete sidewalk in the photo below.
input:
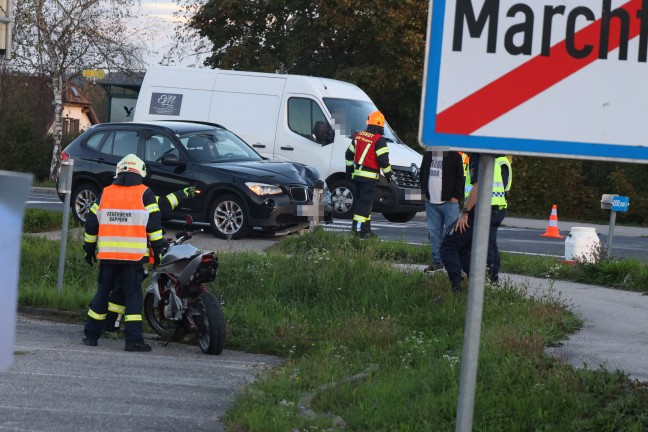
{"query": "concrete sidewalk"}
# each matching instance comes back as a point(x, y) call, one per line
point(614, 332)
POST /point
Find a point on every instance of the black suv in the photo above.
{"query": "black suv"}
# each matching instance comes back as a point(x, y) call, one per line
point(239, 189)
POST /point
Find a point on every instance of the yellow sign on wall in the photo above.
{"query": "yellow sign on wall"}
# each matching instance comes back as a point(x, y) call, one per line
point(94, 73)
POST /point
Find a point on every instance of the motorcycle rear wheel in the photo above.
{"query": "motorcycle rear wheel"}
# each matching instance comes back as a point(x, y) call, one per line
point(211, 324)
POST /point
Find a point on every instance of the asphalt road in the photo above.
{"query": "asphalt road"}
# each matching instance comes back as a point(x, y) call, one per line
point(59, 384)
point(519, 236)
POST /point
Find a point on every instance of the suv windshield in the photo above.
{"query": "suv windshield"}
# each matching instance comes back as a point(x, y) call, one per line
point(218, 145)
point(350, 116)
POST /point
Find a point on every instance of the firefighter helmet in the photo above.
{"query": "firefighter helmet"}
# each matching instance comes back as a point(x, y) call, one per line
point(376, 118)
point(131, 163)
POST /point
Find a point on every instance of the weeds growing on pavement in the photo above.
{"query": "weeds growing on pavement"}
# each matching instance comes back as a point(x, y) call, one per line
point(370, 347)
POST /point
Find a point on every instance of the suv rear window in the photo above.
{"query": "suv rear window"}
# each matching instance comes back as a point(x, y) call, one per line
point(120, 143)
point(95, 140)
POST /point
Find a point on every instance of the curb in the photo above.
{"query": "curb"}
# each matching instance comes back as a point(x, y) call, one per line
point(48, 190)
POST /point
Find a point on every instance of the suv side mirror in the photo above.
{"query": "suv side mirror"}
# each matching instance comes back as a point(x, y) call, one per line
point(171, 160)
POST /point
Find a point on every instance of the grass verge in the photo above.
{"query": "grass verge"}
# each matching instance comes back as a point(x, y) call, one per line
point(368, 347)
point(39, 220)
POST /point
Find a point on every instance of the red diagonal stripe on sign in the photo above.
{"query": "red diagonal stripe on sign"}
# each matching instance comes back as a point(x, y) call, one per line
point(528, 80)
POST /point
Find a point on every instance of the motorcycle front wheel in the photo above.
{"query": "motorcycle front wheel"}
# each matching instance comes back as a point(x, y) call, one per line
point(211, 324)
point(155, 317)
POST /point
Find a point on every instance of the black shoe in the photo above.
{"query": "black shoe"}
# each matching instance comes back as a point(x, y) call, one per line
point(89, 342)
point(433, 268)
point(139, 347)
point(456, 287)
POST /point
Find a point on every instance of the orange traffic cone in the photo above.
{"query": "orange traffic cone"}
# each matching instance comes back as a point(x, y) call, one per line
point(552, 229)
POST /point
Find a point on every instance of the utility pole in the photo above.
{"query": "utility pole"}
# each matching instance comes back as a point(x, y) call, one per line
point(6, 16)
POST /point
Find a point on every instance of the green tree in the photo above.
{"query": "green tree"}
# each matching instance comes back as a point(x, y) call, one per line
point(57, 39)
point(378, 45)
point(25, 110)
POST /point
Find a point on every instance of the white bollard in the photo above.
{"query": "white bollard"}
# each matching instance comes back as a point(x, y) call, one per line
point(14, 188)
point(582, 243)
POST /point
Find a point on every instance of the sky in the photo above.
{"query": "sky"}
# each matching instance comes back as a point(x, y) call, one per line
point(160, 14)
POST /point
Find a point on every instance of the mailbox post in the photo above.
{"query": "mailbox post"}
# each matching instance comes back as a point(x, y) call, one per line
point(614, 203)
point(65, 187)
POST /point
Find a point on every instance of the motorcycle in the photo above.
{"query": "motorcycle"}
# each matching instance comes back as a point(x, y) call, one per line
point(177, 302)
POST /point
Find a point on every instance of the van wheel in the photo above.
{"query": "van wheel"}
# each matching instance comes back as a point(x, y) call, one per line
point(399, 217)
point(229, 218)
point(82, 199)
point(343, 197)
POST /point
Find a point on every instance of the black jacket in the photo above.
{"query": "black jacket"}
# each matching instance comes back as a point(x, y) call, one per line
point(452, 182)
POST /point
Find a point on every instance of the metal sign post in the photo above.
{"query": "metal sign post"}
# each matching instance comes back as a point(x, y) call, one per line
point(14, 188)
point(65, 187)
point(540, 91)
point(475, 303)
point(614, 203)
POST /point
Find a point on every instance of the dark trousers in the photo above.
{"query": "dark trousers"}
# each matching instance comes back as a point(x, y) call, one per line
point(365, 190)
point(456, 249)
point(455, 252)
point(493, 259)
point(132, 276)
point(117, 298)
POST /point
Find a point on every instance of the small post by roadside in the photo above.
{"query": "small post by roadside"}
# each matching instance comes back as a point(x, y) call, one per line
point(317, 201)
point(315, 210)
point(614, 203)
point(65, 187)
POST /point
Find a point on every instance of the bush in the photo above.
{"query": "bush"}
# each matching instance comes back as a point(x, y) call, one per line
point(24, 143)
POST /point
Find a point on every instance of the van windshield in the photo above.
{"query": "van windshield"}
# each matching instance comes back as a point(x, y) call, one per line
point(218, 145)
point(350, 116)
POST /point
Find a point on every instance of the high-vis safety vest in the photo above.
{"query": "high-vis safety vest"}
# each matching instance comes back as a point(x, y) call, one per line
point(365, 155)
point(465, 160)
point(122, 220)
point(499, 188)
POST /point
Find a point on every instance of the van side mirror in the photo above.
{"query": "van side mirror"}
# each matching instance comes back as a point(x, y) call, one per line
point(323, 133)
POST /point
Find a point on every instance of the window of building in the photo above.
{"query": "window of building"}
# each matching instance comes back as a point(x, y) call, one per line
point(70, 126)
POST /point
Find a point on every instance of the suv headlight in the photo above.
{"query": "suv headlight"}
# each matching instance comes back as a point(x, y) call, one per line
point(264, 189)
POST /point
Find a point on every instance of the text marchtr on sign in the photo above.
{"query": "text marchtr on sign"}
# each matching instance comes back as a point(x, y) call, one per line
point(519, 33)
point(538, 77)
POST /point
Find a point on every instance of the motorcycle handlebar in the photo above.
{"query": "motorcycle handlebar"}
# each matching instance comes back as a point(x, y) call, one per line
point(184, 235)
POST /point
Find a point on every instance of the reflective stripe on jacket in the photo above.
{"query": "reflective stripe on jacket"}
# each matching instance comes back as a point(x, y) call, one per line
point(367, 155)
point(122, 219)
point(365, 150)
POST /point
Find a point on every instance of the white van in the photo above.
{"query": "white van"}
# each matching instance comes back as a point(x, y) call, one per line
point(286, 117)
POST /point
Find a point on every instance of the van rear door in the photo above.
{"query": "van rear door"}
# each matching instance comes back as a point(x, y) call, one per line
point(248, 105)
